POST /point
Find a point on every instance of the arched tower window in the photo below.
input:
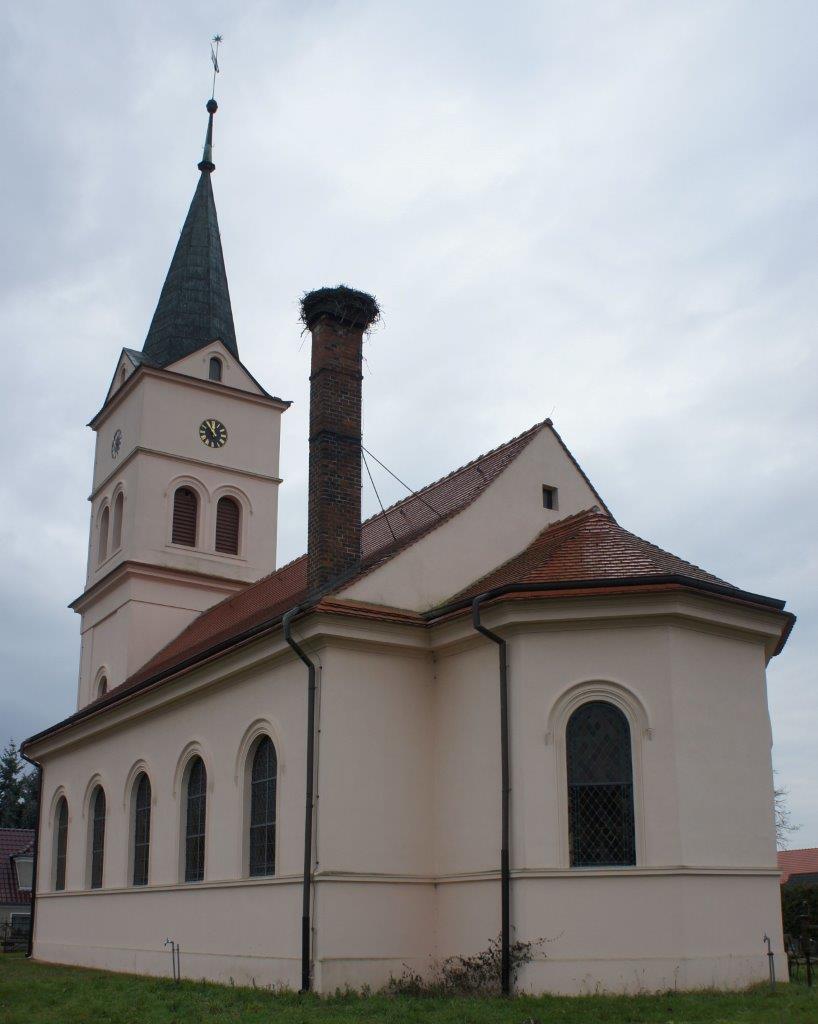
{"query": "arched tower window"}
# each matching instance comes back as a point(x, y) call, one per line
point(600, 786)
point(141, 829)
point(263, 779)
point(102, 554)
point(214, 371)
point(195, 818)
point(60, 843)
point(116, 533)
point(97, 836)
point(185, 516)
point(228, 519)
point(102, 686)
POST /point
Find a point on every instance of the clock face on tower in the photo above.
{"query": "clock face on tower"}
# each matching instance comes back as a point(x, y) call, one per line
point(213, 433)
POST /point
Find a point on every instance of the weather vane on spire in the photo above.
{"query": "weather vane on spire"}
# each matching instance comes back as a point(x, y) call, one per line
point(206, 164)
point(214, 57)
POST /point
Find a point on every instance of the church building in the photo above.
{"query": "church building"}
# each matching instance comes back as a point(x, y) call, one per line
point(488, 711)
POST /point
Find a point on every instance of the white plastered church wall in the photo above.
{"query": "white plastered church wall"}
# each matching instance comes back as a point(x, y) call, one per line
point(407, 829)
point(498, 525)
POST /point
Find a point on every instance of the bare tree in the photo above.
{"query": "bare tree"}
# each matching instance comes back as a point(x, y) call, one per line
point(783, 819)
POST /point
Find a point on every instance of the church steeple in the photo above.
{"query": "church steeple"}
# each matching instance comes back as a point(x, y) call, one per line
point(194, 305)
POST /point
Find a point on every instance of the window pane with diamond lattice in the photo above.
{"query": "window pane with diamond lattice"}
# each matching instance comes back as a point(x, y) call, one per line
point(97, 837)
point(196, 813)
point(142, 830)
point(62, 843)
point(263, 809)
point(600, 787)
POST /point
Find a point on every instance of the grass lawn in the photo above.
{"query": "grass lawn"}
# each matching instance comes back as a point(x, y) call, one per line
point(39, 994)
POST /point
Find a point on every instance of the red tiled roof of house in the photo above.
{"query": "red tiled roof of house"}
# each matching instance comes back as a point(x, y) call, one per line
point(798, 862)
point(584, 547)
point(13, 841)
point(382, 537)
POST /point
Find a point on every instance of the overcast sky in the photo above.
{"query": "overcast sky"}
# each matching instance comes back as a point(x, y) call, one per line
point(602, 212)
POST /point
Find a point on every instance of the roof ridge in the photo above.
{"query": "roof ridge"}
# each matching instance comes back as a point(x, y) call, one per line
point(461, 469)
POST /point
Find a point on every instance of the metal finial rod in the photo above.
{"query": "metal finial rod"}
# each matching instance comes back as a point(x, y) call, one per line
point(214, 57)
point(206, 163)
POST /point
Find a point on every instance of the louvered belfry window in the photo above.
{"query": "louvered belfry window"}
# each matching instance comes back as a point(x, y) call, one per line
point(62, 844)
point(97, 837)
point(263, 776)
point(102, 553)
point(195, 821)
point(600, 787)
point(185, 514)
point(228, 516)
point(142, 831)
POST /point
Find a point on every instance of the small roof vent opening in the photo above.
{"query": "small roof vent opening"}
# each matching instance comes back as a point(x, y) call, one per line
point(215, 369)
point(549, 497)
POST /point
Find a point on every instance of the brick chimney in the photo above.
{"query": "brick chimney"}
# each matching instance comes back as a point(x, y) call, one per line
point(337, 319)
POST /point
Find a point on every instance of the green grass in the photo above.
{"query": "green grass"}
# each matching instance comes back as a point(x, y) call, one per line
point(33, 993)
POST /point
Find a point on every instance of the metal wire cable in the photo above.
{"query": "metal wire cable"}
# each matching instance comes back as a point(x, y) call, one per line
point(414, 493)
point(377, 495)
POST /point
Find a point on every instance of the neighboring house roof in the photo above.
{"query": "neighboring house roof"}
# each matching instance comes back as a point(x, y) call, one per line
point(13, 842)
point(798, 862)
point(583, 547)
point(194, 305)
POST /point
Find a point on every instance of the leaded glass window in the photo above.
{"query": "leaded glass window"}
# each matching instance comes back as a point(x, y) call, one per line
point(263, 776)
point(97, 837)
point(61, 846)
point(195, 821)
point(142, 830)
point(600, 787)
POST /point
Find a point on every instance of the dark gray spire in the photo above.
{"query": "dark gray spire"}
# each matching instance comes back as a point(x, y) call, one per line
point(194, 305)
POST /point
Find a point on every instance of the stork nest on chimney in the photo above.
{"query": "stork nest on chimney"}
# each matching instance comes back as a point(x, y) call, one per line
point(350, 308)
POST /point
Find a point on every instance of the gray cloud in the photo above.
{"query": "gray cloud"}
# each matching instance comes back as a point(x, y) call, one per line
point(601, 212)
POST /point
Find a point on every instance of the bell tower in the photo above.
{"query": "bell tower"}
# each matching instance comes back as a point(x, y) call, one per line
point(184, 501)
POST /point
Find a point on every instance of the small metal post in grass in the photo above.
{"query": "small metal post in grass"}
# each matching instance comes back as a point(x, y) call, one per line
point(174, 959)
point(806, 928)
point(770, 961)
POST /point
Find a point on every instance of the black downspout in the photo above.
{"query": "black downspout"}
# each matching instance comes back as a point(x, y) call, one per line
point(308, 811)
point(505, 874)
point(39, 769)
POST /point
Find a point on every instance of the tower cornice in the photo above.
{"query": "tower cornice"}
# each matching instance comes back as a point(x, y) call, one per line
point(186, 379)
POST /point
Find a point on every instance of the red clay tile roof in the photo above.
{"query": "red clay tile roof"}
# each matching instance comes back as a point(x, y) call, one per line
point(268, 599)
point(584, 547)
point(798, 862)
point(13, 841)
